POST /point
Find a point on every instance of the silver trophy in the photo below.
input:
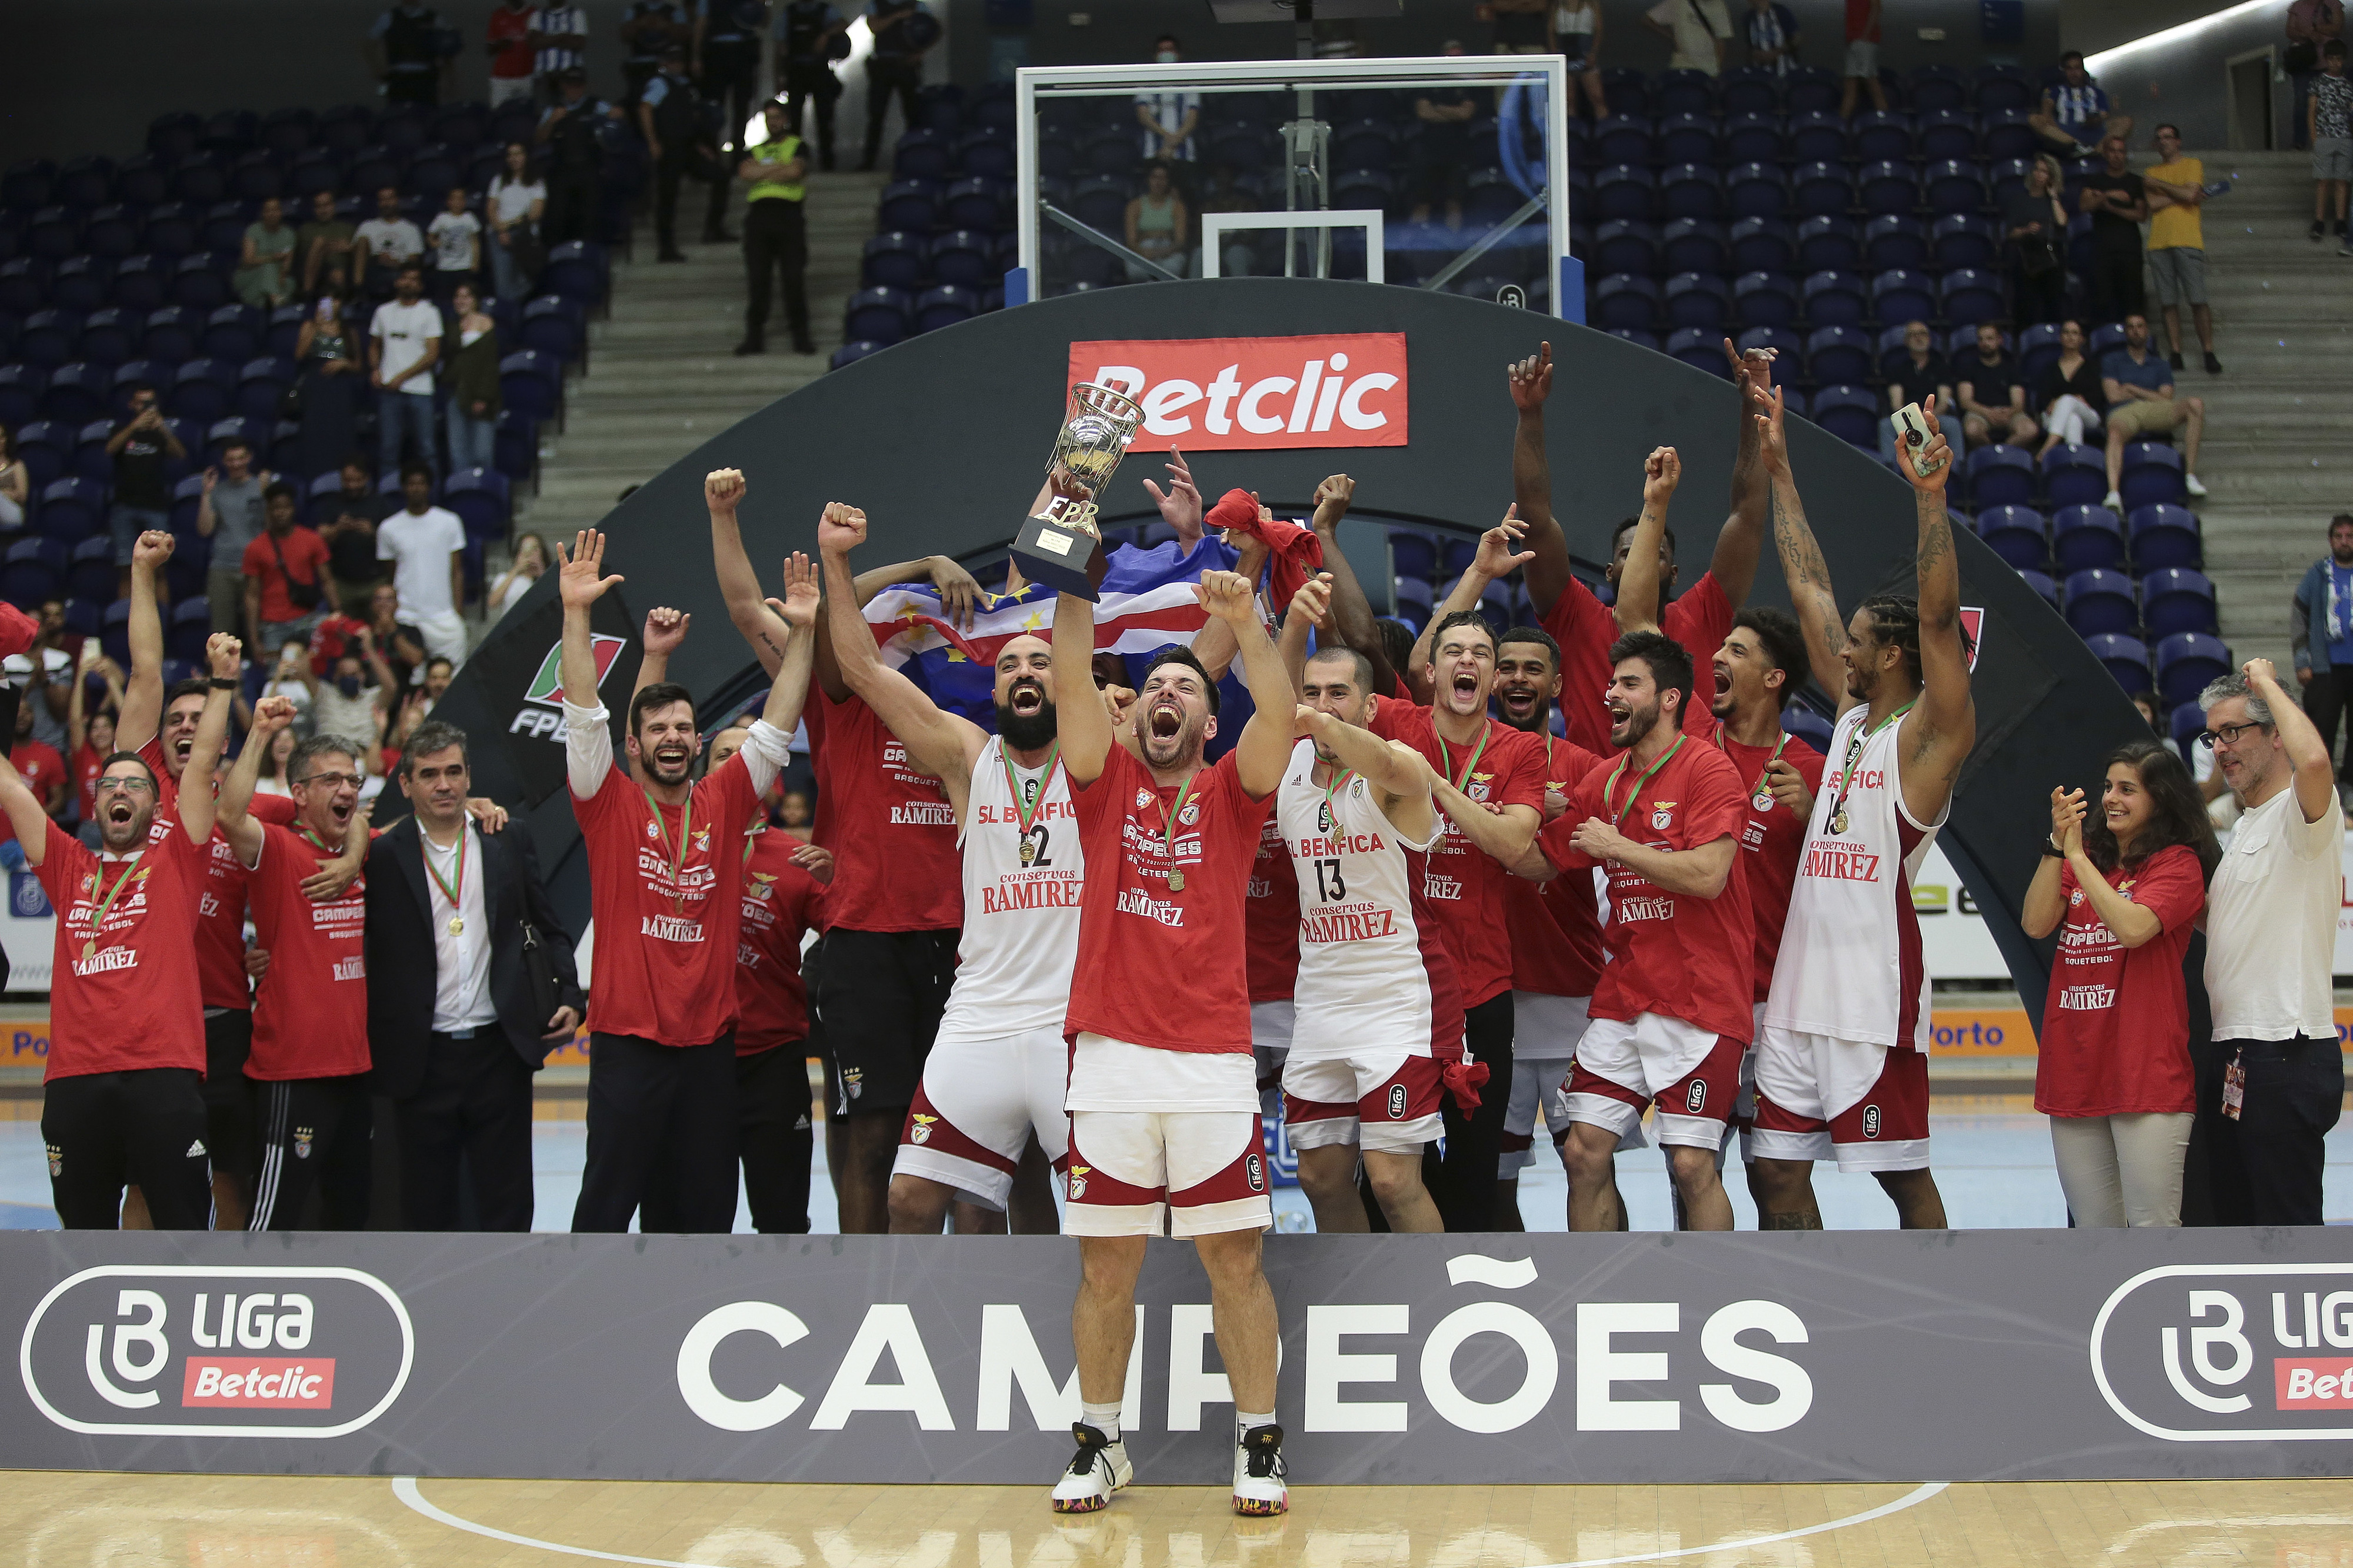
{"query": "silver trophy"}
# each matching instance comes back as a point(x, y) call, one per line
point(1056, 546)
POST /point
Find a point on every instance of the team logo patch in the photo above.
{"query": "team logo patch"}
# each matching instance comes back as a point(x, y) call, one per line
point(56, 1162)
point(1396, 1103)
point(852, 1081)
point(303, 1136)
point(1254, 1169)
point(1189, 815)
point(920, 1127)
point(653, 828)
point(1870, 1122)
point(1477, 791)
point(1662, 815)
point(1078, 1188)
point(1695, 1097)
point(2076, 898)
point(1143, 798)
point(703, 841)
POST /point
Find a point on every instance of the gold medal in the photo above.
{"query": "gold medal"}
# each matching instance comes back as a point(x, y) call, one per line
point(1028, 850)
point(1176, 882)
point(1838, 820)
point(89, 950)
point(457, 925)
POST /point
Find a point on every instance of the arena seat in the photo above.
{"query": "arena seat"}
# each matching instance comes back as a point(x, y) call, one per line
point(1694, 244)
point(2098, 602)
point(1834, 298)
point(2087, 538)
point(1765, 299)
point(2074, 475)
point(2165, 536)
point(2125, 658)
point(76, 393)
point(1697, 300)
point(1821, 190)
point(1763, 245)
point(71, 509)
point(2151, 476)
point(2016, 533)
point(1850, 413)
point(1891, 243)
point(1625, 245)
point(2186, 662)
point(1998, 476)
point(1701, 348)
point(1838, 355)
point(34, 569)
point(2176, 599)
point(483, 499)
point(1880, 136)
point(1900, 294)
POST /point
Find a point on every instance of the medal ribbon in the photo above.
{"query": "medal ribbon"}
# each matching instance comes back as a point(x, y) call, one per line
point(1854, 745)
point(678, 855)
point(449, 890)
point(97, 916)
point(1446, 755)
point(1339, 782)
point(1767, 768)
point(1617, 814)
point(1167, 827)
point(1027, 815)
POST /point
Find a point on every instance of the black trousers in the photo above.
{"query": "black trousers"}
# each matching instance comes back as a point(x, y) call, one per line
point(813, 85)
point(731, 80)
point(230, 1133)
point(678, 164)
point(315, 1133)
point(884, 78)
point(662, 1137)
point(775, 248)
point(2264, 1168)
point(2324, 701)
point(2117, 284)
point(2040, 296)
point(772, 1098)
point(108, 1130)
point(1464, 1182)
point(572, 198)
point(472, 1112)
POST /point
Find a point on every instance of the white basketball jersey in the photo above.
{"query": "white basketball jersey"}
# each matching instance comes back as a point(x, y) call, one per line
point(1020, 905)
point(1364, 978)
point(1849, 965)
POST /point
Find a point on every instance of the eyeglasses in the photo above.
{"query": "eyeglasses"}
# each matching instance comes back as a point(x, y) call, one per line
point(331, 781)
point(2228, 733)
point(122, 786)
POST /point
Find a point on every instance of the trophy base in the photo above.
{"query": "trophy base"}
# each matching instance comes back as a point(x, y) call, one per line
point(1058, 557)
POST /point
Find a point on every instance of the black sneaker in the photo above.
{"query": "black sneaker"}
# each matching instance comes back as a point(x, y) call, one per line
point(803, 346)
point(2317, 229)
point(672, 255)
point(2213, 365)
point(718, 236)
point(751, 345)
point(2174, 359)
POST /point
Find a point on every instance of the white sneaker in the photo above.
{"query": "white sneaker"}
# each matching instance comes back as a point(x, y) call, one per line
point(1099, 1469)
point(1258, 1472)
point(2115, 503)
point(2189, 482)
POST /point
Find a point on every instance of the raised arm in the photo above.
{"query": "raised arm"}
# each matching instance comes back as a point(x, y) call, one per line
point(1638, 581)
point(665, 631)
point(24, 812)
point(2307, 753)
point(739, 585)
point(1392, 767)
point(1549, 572)
point(143, 698)
point(1352, 618)
point(1265, 742)
point(1938, 732)
point(77, 718)
point(798, 611)
point(1496, 557)
point(940, 744)
point(237, 822)
point(1742, 537)
point(1213, 645)
point(1803, 569)
point(1311, 610)
point(1081, 724)
point(224, 654)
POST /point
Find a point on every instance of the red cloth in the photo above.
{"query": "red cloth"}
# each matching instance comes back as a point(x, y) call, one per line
point(1770, 842)
point(1294, 551)
point(220, 918)
point(2116, 1029)
point(17, 630)
point(781, 900)
point(310, 1014)
point(892, 833)
point(39, 765)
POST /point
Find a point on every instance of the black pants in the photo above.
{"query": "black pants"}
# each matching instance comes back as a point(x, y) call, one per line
point(572, 198)
point(679, 164)
point(731, 80)
point(662, 1137)
point(2264, 1168)
point(230, 1130)
point(471, 1112)
point(2116, 280)
point(882, 994)
point(776, 246)
point(2040, 296)
point(1463, 1182)
point(815, 86)
point(884, 78)
point(314, 1135)
point(108, 1130)
point(2324, 703)
point(413, 87)
point(771, 1099)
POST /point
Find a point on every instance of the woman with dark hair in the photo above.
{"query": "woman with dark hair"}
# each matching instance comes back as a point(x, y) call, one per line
point(327, 353)
point(2123, 888)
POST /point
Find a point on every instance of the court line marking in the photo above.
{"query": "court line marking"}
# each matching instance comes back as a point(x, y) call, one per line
point(405, 1488)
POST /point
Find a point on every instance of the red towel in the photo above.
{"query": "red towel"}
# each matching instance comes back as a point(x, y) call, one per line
point(17, 630)
point(1294, 551)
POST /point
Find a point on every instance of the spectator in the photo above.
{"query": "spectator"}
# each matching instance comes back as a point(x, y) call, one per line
point(2271, 1083)
point(326, 239)
point(264, 276)
point(810, 35)
point(1921, 374)
point(1861, 70)
point(2071, 394)
point(14, 486)
point(2177, 242)
point(2119, 203)
point(281, 745)
point(1519, 24)
point(39, 763)
point(727, 46)
point(1697, 29)
point(775, 233)
point(649, 29)
point(2328, 121)
point(515, 204)
point(903, 32)
point(408, 54)
point(473, 386)
point(2324, 660)
point(2034, 230)
point(1990, 392)
point(1574, 30)
point(2114, 1074)
point(327, 361)
point(285, 576)
point(350, 537)
point(2312, 26)
point(401, 644)
point(1158, 227)
point(438, 673)
point(1235, 255)
point(292, 679)
point(404, 346)
point(384, 244)
point(2139, 389)
point(90, 732)
point(139, 447)
point(44, 674)
point(230, 513)
point(359, 493)
point(2075, 117)
point(427, 547)
point(559, 41)
point(512, 60)
point(457, 237)
point(796, 815)
point(1442, 150)
point(575, 158)
point(1772, 37)
point(676, 124)
point(351, 702)
point(530, 562)
point(2146, 706)
point(1169, 117)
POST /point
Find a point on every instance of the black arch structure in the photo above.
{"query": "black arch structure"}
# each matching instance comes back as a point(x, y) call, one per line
point(941, 439)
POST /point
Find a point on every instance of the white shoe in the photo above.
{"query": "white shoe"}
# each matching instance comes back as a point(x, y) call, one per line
point(1099, 1469)
point(2189, 482)
point(2115, 503)
point(1258, 1472)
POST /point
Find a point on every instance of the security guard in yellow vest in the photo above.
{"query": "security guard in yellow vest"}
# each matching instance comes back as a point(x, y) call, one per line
point(776, 237)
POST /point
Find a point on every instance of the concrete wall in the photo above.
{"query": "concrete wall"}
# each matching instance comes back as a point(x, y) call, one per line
point(2186, 80)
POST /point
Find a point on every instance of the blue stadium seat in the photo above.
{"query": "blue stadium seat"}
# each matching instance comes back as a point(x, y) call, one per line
point(893, 260)
point(231, 332)
point(1625, 245)
point(2100, 602)
point(1833, 298)
point(112, 231)
point(1455, 556)
point(223, 230)
point(920, 155)
point(1891, 243)
point(1414, 600)
point(977, 203)
point(2087, 538)
point(1888, 187)
point(190, 626)
point(1947, 134)
point(1697, 300)
point(1412, 554)
point(483, 499)
point(1828, 245)
point(1816, 138)
point(1625, 191)
point(200, 390)
point(2005, 134)
point(2043, 586)
point(110, 336)
point(133, 374)
point(1749, 90)
point(878, 315)
point(92, 574)
point(1701, 348)
point(321, 500)
point(1888, 344)
point(171, 233)
point(82, 283)
point(2106, 338)
point(2186, 662)
point(1971, 296)
point(851, 352)
point(1756, 189)
point(1936, 88)
point(2127, 659)
point(908, 206)
point(46, 449)
point(2074, 475)
point(556, 326)
point(188, 497)
point(76, 393)
point(24, 285)
point(139, 283)
point(1763, 245)
point(945, 307)
point(2017, 534)
point(1999, 476)
point(198, 284)
point(261, 387)
point(1623, 138)
point(1625, 302)
point(1902, 295)
point(1880, 137)
point(1838, 355)
point(35, 569)
point(1809, 90)
point(170, 333)
point(1369, 190)
point(1806, 725)
point(49, 338)
point(53, 234)
point(1787, 344)
point(1957, 240)
point(91, 461)
point(2176, 599)
point(578, 271)
point(2165, 536)
point(1687, 138)
point(964, 257)
point(1849, 413)
point(1694, 244)
point(1753, 137)
point(1638, 338)
point(2038, 351)
point(1821, 190)
point(2151, 476)
point(530, 383)
point(71, 509)
point(1363, 145)
point(1765, 299)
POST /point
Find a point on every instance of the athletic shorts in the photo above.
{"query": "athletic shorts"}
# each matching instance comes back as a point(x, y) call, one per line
point(1205, 1168)
point(974, 1111)
point(1692, 1073)
point(2147, 418)
point(1862, 58)
point(882, 994)
point(1385, 1102)
point(229, 1127)
point(2332, 158)
point(1818, 1096)
point(1544, 1032)
point(2180, 273)
point(1271, 1046)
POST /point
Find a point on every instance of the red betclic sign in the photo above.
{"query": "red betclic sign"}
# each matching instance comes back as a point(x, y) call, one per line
point(1211, 395)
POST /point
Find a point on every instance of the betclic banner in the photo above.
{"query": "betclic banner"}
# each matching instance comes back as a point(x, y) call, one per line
point(1872, 1356)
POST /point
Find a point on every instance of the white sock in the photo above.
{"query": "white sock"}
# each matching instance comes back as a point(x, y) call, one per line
point(1103, 1419)
point(1244, 1421)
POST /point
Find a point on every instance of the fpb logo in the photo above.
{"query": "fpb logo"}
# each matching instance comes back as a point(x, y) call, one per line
point(542, 714)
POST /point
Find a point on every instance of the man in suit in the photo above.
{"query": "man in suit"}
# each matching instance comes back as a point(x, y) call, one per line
point(457, 1020)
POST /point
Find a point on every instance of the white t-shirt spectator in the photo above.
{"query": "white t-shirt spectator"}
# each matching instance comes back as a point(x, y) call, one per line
point(391, 240)
point(453, 235)
point(566, 27)
point(351, 718)
point(297, 694)
point(421, 545)
point(404, 331)
point(2270, 923)
point(1697, 25)
point(512, 199)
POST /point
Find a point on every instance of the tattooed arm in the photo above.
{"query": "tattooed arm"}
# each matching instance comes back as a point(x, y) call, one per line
point(1938, 732)
point(1802, 566)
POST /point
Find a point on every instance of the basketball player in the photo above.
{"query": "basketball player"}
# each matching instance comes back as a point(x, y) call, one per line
point(1841, 1061)
point(120, 1097)
point(667, 901)
point(1671, 1011)
point(1163, 1095)
point(1377, 1007)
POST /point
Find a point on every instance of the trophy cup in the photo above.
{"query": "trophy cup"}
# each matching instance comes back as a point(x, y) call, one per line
point(1055, 546)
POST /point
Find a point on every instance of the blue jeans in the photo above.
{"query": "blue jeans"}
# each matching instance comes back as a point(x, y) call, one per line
point(473, 443)
point(126, 523)
point(397, 413)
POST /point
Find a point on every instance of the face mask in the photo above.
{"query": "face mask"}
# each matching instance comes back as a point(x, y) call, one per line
point(1166, 57)
point(349, 685)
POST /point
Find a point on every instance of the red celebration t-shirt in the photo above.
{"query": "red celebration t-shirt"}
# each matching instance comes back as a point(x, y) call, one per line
point(1271, 920)
point(1699, 618)
point(1155, 964)
point(2115, 1027)
point(1556, 926)
point(896, 865)
point(1463, 883)
point(1674, 955)
point(41, 766)
point(220, 914)
point(301, 556)
point(310, 1012)
point(781, 901)
point(87, 763)
point(1770, 842)
point(131, 1003)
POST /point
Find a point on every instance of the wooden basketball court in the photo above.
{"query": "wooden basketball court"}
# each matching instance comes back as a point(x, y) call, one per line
point(54, 1520)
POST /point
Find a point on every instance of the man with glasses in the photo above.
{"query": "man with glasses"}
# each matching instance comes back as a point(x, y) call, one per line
point(2270, 1081)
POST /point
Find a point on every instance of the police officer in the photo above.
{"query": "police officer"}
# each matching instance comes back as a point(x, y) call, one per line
point(648, 28)
point(409, 51)
point(810, 35)
point(676, 125)
point(776, 237)
point(575, 158)
point(727, 34)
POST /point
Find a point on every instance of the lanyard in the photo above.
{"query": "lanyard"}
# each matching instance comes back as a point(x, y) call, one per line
point(318, 843)
point(1619, 814)
point(1027, 815)
point(678, 855)
point(1339, 782)
point(1169, 834)
point(452, 890)
point(1855, 744)
point(1769, 761)
point(1445, 755)
point(97, 916)
point(752, 840)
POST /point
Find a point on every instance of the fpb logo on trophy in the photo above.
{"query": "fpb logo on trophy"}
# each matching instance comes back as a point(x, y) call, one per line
point(190, 1352)
point(542, 714)
point(2184, 1353)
